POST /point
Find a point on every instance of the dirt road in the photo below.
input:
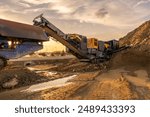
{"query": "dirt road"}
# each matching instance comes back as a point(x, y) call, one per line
point(114, 84)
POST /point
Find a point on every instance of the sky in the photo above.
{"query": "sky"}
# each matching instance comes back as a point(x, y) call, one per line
point(102, 19)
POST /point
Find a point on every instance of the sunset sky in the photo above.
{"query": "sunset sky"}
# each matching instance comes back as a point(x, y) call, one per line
point(103, 19)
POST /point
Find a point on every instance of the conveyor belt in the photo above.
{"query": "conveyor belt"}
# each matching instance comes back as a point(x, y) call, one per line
point(56, 33)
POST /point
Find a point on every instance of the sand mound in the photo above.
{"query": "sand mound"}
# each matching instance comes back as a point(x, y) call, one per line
point(131, 57)
point(139, 54)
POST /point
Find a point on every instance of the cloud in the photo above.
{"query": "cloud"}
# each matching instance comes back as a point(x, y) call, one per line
point(101, 13)
point(107, 12)
point(37, 1)
point(141, 2)
point(80, 15)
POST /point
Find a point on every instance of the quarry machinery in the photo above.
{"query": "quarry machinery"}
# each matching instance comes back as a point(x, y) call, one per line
point(18, 39)
point(85, 49)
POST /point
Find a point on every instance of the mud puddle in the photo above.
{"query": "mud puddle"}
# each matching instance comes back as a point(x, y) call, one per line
point(46, 85)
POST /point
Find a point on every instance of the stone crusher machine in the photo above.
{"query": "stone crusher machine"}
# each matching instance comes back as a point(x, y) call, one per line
point(17, 40)
point(85, 49)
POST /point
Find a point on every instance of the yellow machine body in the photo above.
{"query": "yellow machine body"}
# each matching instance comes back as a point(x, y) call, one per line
point(107, 45)
point(92, 43)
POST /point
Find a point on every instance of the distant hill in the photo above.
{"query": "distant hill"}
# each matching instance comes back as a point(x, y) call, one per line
point(139, 36)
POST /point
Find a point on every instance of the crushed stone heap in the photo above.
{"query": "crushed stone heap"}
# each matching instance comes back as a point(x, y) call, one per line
point(139, 36)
